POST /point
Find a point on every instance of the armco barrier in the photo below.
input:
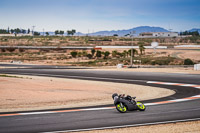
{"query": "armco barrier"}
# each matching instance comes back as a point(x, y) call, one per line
point(197, 67)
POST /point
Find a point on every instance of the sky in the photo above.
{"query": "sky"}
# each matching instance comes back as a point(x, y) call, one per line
point(99, 15)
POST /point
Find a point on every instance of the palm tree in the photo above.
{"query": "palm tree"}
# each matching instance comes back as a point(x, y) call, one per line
point(125, 53)
point(134, 52)
point(93, 52)
point(106, 54)
point(142, 48)
point(114, 53)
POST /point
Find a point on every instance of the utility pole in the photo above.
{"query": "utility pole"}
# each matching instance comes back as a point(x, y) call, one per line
point(33, 34)
point(33, 30)
point(43, 31)
point(131, 35)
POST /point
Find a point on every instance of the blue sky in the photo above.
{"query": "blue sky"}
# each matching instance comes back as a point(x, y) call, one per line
point(98, 15)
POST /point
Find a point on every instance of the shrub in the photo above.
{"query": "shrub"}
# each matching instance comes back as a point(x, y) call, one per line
point(146, 61)
point(98, 53)
point(21, 50)
point(89, 56)
point(3, 50)
point(74, 54)
point(188, 62)
point(10, 49)
point(153, 63)
point(106, 54)
point(162, 62)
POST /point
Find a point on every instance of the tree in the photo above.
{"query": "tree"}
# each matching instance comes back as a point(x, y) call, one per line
point(134, 52)
point(71, 32)
point(3, 50)
point(47, 33)
point(114, 53)
point(61, 32)
point(36, 33)
point(115, 35)
point(17, 31)
point(193, 33)
point(10, 49)
point(125, 53)
point(8, 30)
point(28, 31)
point(98, 53)
point(73, 54)
point(93, 52)
point(56, 32)
point(89, 56)
point(142, 48)
point(188, 62)
point(12, 31)
point(3, 31)
point(84, 53)
point(68, 32)
point(79, 54)
point(23, 31)
point(106, 54)
point(21, 50)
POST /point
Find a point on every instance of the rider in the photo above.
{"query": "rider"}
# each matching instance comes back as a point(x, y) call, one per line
point(125, 97)
point(122, 96)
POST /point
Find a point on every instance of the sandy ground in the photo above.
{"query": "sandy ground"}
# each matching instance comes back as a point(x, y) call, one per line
point(31, 93)
point(183, 54)
point(56, 58)
point(181, 127)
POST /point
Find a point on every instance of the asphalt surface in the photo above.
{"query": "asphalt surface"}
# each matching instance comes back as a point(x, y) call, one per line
point(107, 118)
point(96, 119)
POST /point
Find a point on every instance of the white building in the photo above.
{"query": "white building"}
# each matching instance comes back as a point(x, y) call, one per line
point(30, 34)
point(159, 34)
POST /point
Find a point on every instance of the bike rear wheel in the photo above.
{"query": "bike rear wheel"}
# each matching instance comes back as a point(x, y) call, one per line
point(121, 108)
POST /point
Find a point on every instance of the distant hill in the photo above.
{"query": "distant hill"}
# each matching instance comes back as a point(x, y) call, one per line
point(194, 29)
point(137, 31)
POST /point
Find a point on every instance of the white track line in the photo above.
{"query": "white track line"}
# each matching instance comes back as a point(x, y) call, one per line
point(123, 126)
point(106, 108)
point(30, 74)
point(36, 113)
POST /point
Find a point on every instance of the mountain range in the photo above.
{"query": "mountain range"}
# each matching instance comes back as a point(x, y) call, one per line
point(135, 31)
point(194, 29)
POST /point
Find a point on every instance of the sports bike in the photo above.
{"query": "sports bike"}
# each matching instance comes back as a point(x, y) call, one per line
point(128, 103)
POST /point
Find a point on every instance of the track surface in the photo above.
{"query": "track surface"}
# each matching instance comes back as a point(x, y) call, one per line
point(107, 118)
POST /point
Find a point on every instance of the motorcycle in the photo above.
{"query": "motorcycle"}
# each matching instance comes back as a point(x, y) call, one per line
point(128, 103)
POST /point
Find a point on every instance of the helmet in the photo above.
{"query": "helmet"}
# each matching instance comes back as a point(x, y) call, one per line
point(114, 95)
point(129, 97)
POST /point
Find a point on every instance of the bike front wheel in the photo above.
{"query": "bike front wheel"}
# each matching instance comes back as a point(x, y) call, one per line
point(141, 106)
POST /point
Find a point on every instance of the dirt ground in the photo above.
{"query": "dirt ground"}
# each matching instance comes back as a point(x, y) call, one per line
point(31, 92)
point(63, 58)
point(181, 127)
point(183, 54)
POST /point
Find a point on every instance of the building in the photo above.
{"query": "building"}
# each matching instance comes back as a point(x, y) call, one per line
point(158, 34)
point(30, 34)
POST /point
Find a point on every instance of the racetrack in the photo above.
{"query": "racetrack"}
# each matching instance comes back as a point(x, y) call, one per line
point(107, 118)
